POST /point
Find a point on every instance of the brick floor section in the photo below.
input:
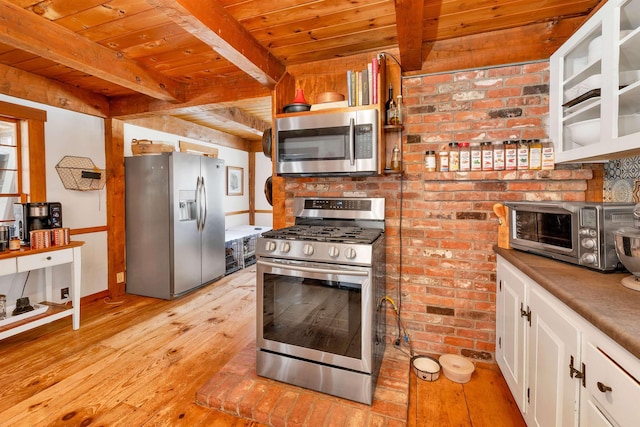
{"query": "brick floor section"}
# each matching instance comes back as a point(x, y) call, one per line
point(239, 391)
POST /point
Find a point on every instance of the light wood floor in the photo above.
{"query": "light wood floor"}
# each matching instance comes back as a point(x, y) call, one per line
point(139, 362)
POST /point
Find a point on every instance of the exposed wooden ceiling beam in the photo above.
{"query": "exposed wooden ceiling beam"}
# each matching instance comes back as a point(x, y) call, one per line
point(211, 23)
point(187, 129)
point(409, 27)
point(242, 121)
point(25, 85)
point(26, 31)
point(227, 89)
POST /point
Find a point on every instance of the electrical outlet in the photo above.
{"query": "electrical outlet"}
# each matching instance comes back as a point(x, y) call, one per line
point(64, 293)
point(120, 277)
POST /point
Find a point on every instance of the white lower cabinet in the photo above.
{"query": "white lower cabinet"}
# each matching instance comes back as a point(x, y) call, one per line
point(510, 329)
point(536, 342)
point(561, 370)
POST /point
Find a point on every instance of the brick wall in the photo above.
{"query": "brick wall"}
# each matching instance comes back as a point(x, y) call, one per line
point(441, 227)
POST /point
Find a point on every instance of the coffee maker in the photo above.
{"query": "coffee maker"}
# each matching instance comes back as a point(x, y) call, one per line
point(36, 216)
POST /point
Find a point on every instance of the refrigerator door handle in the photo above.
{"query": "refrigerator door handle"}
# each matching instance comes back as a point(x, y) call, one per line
point(198, 203)
point(204, 203)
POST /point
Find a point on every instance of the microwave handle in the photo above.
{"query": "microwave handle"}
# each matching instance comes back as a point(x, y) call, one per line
point(352, 141)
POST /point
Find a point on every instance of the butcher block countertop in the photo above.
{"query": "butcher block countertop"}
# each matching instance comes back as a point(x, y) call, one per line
point(597, 297)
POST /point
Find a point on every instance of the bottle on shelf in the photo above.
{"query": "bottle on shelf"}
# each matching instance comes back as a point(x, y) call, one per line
point(399, 108)
point(548, 158)
point(465, 156)
point(498, 156)
point(454, 157)
point(391, 109)
point(523, 154)
point(443, 160)
point(535, 154)
point(430, 161)
point(487, 156)
point(396, 163)
point(476, 156)
point(510, 155)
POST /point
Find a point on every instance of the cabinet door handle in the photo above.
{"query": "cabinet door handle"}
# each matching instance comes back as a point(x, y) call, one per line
point(603, 387)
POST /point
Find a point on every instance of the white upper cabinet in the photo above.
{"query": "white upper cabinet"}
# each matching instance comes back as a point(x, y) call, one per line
point(594, 105)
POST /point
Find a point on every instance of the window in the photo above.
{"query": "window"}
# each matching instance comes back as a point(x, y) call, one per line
point(10, 185)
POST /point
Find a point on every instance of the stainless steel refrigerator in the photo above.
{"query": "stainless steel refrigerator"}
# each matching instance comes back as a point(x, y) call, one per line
point(174, 223)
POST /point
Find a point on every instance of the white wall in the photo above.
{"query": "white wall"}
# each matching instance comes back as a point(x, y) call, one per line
point(69, 134)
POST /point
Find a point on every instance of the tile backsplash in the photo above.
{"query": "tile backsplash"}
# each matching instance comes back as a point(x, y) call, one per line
point(622, 180)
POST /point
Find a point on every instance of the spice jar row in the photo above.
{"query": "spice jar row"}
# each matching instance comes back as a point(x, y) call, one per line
point(533, 154)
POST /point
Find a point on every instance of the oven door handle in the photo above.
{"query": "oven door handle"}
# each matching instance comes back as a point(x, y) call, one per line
point(314, 269)
point(352, 141)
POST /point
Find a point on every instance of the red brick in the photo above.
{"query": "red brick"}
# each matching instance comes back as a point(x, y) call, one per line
point(262, 411)
point(236, 395)
point(302, 410)
point(320, 411)
point(283, 407)
point(251, 399)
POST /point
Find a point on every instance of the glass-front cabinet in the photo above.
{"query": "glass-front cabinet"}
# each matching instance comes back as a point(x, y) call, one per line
point(594, 111)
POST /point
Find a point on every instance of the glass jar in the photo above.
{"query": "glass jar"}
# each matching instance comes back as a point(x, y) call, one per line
point(430, 161)
point(523, 154)
point(510, 155)
point(454, 157)
point(498, 155)
point(476, 156)
point(399, 109)
point(548, 157)
point(535, 154)
point(3, 307)
point(395, 159)
point(487, 156)
point(465, 156)
point(443, 160)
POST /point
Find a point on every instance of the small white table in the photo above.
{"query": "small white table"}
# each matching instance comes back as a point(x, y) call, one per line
point(32, 259)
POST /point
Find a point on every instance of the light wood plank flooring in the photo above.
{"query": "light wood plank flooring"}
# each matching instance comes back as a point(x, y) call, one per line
point(139, 362)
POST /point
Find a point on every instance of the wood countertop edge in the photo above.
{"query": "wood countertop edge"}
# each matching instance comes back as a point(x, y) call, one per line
point(598, 297)
point(24, 251)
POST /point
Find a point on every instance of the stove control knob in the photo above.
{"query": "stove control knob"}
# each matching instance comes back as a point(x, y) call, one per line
point(589, 243)
point(350, 253)
point(285, 247)
point(270, 246)
point(334, 252)
point(307, 249)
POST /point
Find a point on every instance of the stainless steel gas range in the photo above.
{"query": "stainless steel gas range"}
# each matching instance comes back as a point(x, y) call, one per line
point(319, 284)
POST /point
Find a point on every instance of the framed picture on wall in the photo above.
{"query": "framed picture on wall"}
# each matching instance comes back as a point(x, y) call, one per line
point(235, 181)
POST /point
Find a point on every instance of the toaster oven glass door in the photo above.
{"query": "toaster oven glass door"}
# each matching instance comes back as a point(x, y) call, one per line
point(546, 228)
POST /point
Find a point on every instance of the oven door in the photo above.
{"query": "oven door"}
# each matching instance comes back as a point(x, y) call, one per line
point(547, 229)
point(317, 312)
point(327, 144)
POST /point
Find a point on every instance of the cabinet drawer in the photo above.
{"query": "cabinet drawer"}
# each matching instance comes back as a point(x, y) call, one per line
point(624, 393)
point(8, 266)
point(44, 259)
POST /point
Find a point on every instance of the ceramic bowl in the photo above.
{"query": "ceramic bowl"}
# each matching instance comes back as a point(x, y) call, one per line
point(426, 368)
point(457, 368)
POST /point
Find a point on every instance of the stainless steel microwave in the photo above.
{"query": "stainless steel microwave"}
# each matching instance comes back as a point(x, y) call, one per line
point(580, 232)
point(328, 144)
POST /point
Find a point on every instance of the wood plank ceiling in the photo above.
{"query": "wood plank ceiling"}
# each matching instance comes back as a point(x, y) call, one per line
point(214, 63)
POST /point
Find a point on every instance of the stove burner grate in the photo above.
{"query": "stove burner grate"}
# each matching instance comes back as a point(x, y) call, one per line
point(325, 234)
